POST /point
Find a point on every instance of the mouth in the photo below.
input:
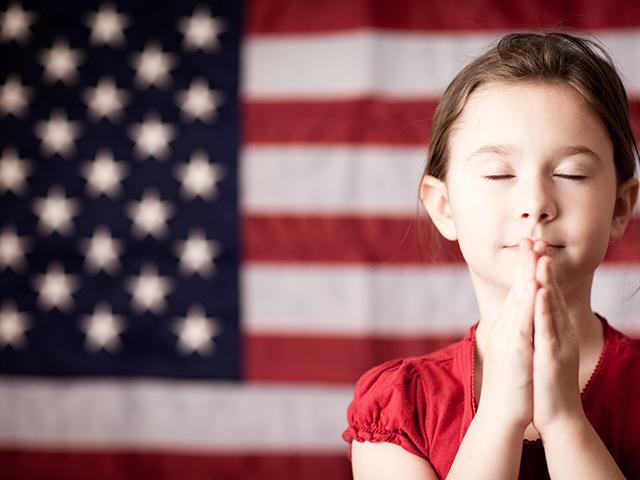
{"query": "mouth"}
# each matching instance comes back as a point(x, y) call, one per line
point(550, 249)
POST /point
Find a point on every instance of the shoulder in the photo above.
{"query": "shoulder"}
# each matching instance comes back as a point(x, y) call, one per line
point(622, 362)
point(395, 401)
point(416, 375)
point(626, 350)
point(624, 354)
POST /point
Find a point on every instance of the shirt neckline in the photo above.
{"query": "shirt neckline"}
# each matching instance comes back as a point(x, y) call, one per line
point(471, 342)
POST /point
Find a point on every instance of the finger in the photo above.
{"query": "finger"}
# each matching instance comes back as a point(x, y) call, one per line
point(526, 309)
point(558, 303)
point(544, 328)
point(518, 279)
point(545, 275)
point(530, 260)
point(539, 247)
point(526, 289)
point(554, 281)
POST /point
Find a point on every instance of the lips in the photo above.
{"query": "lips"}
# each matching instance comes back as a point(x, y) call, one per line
point(550, 249)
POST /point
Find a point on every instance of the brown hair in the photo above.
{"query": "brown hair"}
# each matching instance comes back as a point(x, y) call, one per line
point(552, 57)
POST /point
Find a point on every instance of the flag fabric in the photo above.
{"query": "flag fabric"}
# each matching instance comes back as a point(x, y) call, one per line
point(209, 223)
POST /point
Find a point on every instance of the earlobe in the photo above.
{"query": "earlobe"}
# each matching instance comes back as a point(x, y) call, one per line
point(626, 198)
point(435, 198)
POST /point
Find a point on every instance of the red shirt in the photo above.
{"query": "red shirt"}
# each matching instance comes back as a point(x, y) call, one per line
point(425, 404)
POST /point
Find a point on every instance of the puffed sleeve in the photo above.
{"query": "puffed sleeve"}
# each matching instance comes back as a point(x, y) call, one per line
point(389, 405)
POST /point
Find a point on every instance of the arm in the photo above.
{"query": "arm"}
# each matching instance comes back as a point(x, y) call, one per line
point(572, 447)
point(489, 450)
point(574, 450)
point(382, 461)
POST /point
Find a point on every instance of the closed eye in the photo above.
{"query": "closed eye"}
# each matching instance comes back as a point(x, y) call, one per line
point(577, 178)
point(498, 177)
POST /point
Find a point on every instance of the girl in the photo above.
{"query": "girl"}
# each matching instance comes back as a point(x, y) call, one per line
point(531, 169)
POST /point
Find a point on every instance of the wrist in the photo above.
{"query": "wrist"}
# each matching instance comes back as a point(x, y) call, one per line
point(500, 423)
point(568, 425)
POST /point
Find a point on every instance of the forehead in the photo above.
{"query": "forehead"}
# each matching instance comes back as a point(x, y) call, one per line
point(532, 117)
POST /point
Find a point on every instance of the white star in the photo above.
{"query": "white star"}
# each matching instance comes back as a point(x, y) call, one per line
point(104, 175)
point(198, 102)
point(107, 26)
point(13, 249)
point(13, 324)
point(60, 62)
point(196, 254)
point(148, 290)
point(152, 66)
point(199, 177)
point(55, 288)
point(58, 134)
point(102, 329)
point(14, 171)
point(150, 215)
point(195, 332)
point(105, 100)
point(14, 97)
point(152, 137)
point(102, 252)
point(15, 23)
point(55, 211)
point(201, 30)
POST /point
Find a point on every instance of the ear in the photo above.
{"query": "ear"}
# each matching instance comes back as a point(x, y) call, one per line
point(435, 198)
point(626, 198)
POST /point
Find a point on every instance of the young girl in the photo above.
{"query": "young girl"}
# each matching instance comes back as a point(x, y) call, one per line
point(531, 169)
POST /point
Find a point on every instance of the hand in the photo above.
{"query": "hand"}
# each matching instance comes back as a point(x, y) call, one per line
point(556, 390)
point(507, 373)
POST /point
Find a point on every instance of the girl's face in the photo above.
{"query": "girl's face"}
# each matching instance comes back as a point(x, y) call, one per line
point(531, 160)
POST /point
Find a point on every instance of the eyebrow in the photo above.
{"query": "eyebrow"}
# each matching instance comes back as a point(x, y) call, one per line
point(562, 152)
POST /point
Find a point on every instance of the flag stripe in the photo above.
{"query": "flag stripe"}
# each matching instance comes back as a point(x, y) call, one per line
point(332, 180)
point(132, 465)
point(336, 179)
point(389, 64)
point(389, 122)
point(337, 359)
point(291, 16)
point(369, 239)
point(402, 122)
point(338, 300)
point(172, 416)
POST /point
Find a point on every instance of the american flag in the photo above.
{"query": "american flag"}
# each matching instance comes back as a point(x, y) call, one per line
point(208, 223)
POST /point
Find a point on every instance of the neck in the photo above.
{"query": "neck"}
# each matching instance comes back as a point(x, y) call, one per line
point(578, 300)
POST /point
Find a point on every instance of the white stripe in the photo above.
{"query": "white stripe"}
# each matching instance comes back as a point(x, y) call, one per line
point(172, 415)
point(393, 301)
point(335, 179)
point(365, 62)
point(309, 179)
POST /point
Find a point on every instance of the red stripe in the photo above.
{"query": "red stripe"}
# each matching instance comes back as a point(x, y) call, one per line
point(122, 465)
point(375, 240)
point(347, 239)
point(356, 121)
point(328, 359)
point(362, 121)
point(333, 359)
point(294, 16)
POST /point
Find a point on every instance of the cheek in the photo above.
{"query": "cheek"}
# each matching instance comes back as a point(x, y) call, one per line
point(477, 218)
point(587, 229)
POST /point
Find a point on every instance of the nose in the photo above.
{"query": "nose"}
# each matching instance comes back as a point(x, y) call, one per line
point(536, 203)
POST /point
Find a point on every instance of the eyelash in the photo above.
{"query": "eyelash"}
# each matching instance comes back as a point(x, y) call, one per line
point(576, 178)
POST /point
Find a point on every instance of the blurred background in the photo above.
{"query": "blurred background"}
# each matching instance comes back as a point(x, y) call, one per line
point(210, 228)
